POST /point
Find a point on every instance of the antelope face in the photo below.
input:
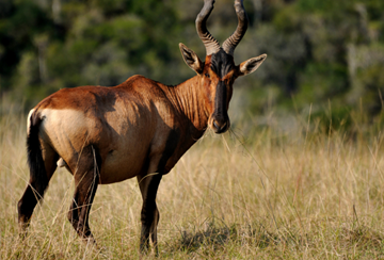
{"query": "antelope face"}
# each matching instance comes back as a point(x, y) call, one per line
point(218, 77)
point(220, 74)
point(219, 70)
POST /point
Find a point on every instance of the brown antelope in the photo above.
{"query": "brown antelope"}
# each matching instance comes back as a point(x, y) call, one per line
point(139, 128)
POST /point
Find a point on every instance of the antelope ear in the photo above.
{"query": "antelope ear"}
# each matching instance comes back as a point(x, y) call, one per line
point(251, 65)
point(191, 58)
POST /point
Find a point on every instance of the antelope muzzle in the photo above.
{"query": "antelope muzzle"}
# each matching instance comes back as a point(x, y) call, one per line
point(219, 124)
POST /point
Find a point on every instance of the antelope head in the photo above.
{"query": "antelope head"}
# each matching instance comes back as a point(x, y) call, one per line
point(218, 72)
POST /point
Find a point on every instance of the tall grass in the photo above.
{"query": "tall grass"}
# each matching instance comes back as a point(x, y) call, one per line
point(275, 193)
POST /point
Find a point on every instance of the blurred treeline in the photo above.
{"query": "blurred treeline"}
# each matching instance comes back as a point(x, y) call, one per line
point(321, 53)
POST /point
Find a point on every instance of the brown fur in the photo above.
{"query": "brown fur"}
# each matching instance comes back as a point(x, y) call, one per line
point(140, 128)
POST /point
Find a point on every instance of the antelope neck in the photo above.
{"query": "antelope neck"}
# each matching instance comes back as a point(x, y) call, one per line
point(190, 99)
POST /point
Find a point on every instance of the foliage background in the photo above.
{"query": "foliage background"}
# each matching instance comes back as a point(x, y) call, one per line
point(300, 173)
point(324, 56)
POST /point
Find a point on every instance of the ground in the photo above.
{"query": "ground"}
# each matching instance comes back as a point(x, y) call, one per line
point(269, 194)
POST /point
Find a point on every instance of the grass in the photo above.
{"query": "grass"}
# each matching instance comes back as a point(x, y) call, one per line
point(280, 194)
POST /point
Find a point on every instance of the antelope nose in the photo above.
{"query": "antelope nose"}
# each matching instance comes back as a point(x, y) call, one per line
point(219, 128)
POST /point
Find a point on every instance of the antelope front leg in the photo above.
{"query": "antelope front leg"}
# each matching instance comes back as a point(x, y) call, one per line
point(86, 181)
point(149, 214)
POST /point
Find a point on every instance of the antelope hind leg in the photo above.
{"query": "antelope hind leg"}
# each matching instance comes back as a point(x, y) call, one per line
point(31, 195)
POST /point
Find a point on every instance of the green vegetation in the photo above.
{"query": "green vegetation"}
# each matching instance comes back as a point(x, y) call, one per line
point(319, 52)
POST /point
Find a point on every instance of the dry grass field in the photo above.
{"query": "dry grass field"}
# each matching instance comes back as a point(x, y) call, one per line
point(269, 194)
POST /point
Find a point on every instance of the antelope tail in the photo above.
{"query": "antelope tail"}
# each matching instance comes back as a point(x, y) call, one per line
point(38, 174)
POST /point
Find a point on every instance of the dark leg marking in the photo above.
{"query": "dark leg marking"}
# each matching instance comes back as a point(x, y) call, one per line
point(34, 192)
point(149, 185)
point(86, 181)
point(149, 214)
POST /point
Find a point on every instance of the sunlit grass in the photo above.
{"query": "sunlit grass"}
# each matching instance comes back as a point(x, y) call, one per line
point(270, 194)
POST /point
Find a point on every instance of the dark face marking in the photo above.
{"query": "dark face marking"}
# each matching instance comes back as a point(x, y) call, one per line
point(222, 63)
point(220, 115)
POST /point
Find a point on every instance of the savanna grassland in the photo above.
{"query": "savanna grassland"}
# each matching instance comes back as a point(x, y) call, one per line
point(302, 193)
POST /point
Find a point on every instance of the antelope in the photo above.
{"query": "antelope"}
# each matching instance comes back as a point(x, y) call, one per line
point(139, 128)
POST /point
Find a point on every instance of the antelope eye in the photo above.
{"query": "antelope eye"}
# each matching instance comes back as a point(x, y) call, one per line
point(207, 75)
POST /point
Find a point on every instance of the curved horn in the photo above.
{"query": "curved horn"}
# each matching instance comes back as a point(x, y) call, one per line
point(230, 44)
point(210, 43)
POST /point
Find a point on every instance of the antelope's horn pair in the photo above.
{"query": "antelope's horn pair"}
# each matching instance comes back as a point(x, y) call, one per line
point(210, 43)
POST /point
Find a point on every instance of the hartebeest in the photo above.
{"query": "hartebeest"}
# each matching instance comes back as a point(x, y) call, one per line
point(139, 128)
